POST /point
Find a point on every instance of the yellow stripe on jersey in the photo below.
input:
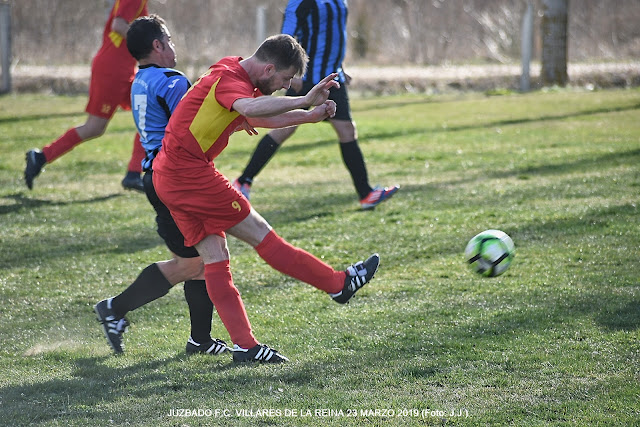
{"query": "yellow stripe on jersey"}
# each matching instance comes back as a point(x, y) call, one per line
point(211, 120)
point(116, 38)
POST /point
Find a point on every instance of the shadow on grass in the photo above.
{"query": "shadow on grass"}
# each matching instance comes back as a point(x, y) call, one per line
point(399, 104)
point(315, 202)
point(493, 124)
point(91, 383)
point(315, 207)
point(93, 389)
point(38, 246)
point(631, 157)
point(22, 202)
point(625, 317)
point(67, 247)
point(28, 118)
point(301, 147)
point(585, 163)
point(555, 312)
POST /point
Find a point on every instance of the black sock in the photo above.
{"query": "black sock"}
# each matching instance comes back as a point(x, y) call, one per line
point(200, 310)
point(353, 160)
point(265, 149)
point(150, 285)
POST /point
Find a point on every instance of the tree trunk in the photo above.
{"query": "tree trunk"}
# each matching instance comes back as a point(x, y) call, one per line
point(554, 42)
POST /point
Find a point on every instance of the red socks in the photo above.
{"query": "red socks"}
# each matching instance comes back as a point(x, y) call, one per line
point(71, 138)
point(137, 156)
point(299, 264)
point(226, 299)
point(280, 255)
point(61, 145)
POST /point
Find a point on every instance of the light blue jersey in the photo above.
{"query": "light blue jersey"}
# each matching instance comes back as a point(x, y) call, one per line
point(155, 93)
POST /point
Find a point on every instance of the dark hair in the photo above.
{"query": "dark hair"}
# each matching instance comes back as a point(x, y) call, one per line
point(283, 51)
point(142, 32)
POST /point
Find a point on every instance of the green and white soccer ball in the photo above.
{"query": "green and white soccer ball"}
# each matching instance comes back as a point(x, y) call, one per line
point(490, 253)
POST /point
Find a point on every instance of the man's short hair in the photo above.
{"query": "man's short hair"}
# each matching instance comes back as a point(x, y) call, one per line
point(141, 34)
point(284, 52)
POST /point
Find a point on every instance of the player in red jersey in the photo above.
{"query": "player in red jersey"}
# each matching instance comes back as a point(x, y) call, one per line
point(204, 204)
point(112, 71)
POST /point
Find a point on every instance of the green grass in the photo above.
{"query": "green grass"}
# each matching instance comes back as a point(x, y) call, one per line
point(555, 340)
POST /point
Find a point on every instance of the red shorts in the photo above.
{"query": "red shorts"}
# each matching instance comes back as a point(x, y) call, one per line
point(107, 92)
point(202, 202)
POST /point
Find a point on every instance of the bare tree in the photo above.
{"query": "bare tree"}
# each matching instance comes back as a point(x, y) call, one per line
point(554, 42)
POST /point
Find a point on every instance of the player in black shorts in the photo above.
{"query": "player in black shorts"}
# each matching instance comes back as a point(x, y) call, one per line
point(155, 93)
point(326, 48)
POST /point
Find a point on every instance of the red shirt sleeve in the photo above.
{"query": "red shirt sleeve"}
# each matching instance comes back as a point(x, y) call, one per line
point(233, 84)
point(129, 10)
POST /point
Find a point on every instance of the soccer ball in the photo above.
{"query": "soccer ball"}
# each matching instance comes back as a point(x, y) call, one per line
point(490, 253)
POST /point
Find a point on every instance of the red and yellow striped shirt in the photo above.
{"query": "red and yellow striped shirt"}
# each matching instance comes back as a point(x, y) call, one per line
point(203, 121)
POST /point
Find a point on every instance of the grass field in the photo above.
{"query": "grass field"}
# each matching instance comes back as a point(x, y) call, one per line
point(553, 341)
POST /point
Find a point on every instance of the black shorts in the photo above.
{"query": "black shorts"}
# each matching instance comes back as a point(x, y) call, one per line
point(167, 228)
point(339, 96)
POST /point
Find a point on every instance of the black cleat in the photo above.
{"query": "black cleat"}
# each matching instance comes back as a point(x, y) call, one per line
point(211, 347)
point(112, 325)
point(358, 275)
point(35, 163)
point(133, 181)
point(259, 353)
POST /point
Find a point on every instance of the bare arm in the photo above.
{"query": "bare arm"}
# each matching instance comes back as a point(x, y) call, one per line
point(267, 106)
point(295, 117)
point(120, 26)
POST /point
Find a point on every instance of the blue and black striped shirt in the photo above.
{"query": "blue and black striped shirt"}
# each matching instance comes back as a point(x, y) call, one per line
point(320, 26)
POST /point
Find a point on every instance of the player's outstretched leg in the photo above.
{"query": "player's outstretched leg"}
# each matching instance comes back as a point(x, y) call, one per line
point(358, 275)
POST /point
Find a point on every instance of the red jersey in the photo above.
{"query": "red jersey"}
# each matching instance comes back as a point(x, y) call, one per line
point(113, 56)
point(203, 121)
